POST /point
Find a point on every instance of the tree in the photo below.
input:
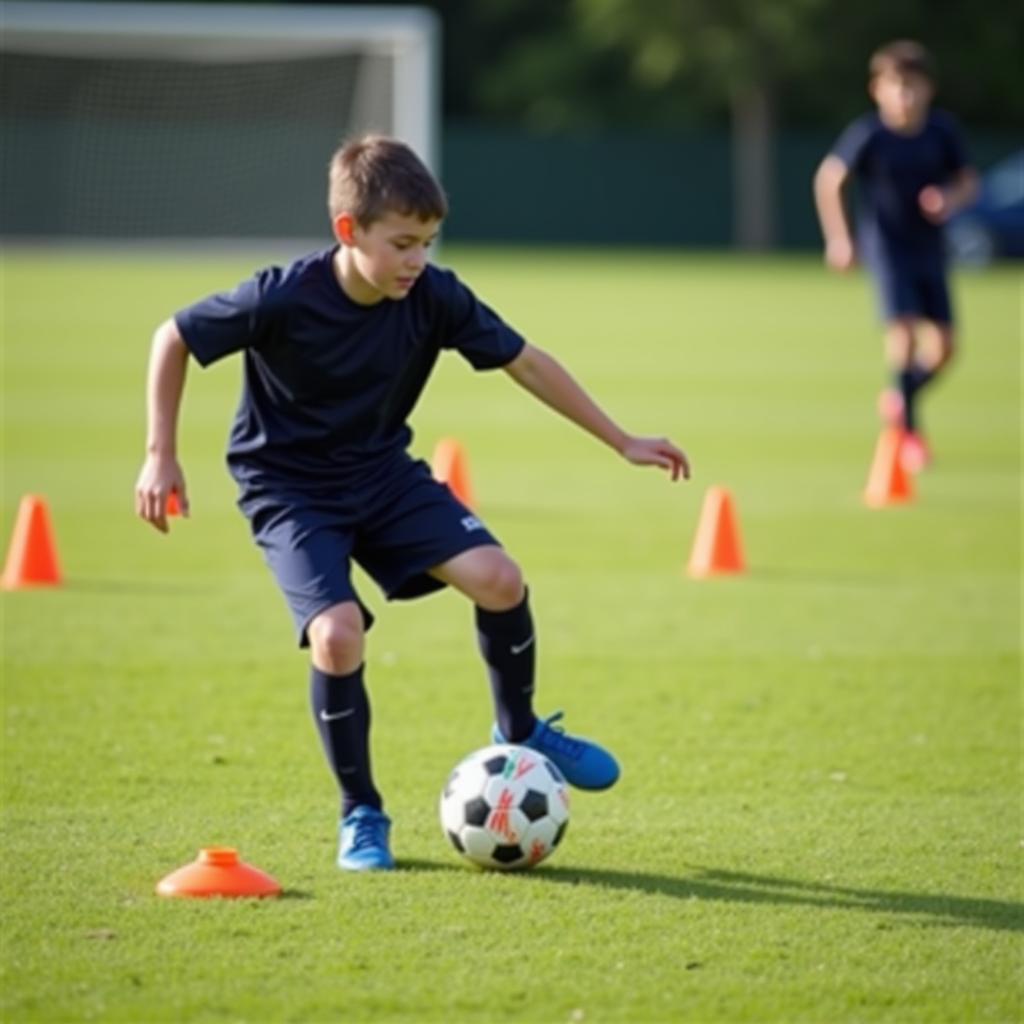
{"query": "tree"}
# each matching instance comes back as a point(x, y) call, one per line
point(598, 64)
point(739, 51)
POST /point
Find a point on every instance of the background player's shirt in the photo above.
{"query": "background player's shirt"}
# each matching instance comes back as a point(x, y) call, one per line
point(890, 170)
point(328, 383)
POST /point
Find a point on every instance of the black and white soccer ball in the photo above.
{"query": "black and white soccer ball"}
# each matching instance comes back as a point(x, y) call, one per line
point(505, 807)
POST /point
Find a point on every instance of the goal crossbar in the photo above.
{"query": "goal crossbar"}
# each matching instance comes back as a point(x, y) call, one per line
point(409, 35)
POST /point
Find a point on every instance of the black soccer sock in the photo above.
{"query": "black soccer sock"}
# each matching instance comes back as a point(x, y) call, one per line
point(910, 381)
point(509, 647)
point(342, 712)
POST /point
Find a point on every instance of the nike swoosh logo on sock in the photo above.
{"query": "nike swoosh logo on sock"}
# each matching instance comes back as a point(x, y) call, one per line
point(519, 648)
point(324, 717)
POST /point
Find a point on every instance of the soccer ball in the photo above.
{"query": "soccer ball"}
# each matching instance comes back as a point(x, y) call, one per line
point(505, 807)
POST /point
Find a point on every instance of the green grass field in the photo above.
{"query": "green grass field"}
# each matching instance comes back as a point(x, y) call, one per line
point(820, 814)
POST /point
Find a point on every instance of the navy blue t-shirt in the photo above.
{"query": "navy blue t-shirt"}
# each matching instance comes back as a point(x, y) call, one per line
point(328, 383)
point(890, 170)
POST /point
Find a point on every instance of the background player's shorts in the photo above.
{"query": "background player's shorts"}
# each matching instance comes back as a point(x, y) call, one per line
point(396, 531)
point(915, 292)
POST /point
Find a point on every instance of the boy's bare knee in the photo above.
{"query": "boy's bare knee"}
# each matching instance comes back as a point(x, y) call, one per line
point(487, 576)
point(946, 348)
point(336, 638)
point(503, 585)
point(899, 343)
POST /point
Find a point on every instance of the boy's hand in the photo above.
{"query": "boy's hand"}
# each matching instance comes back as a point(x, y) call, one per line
point(657, 451)
point(840, 254)
point(935, 204)
point(161, 474)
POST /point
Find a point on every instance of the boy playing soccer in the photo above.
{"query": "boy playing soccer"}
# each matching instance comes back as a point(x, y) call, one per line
point(913, 175)
point(337, 349)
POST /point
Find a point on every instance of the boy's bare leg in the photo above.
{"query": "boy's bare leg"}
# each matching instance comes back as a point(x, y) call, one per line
point(505, 633)
point(900, 343)
point(341, 710)
point(340, 704)
point(508, 644)
point(336, 639)
point(937, 346)
point(486, 575)
point(896, 403)
point(917, 353)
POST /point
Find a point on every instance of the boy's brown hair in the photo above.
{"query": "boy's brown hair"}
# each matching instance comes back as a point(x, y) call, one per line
point(905, 56)
point(375, 175)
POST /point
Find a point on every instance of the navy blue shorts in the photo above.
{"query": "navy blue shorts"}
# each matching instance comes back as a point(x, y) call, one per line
point(919, 293)
point(396, 531)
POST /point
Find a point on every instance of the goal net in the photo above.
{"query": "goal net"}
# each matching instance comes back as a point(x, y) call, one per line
point(175, 120)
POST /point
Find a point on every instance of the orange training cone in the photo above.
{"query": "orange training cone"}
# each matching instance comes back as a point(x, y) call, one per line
point(717, 548)
point(888, 482)
point(173, 504)
point(32, 556)
point(451, 466)
point(218, 872)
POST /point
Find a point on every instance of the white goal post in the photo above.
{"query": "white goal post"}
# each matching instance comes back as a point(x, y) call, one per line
point(106, 108)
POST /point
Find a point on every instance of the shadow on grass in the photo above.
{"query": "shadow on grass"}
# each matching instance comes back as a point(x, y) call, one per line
point(701, 883)
point(297, 895)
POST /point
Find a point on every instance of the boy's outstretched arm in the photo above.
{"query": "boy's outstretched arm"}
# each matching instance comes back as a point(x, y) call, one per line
point(161, 472)
point(828, 199)
point(546, 378)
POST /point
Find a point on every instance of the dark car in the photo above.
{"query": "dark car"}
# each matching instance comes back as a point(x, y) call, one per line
point(993, 228)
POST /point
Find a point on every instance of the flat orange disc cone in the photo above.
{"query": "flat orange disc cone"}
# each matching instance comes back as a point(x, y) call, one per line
point(218, 872)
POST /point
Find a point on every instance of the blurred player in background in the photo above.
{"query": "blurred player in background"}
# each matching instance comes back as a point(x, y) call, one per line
point(912, 172)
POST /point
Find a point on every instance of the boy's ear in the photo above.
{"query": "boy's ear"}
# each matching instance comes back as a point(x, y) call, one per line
point(345, 228)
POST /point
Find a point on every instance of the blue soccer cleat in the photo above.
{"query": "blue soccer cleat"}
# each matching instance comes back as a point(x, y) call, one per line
point(584, 764)
point(364, 840)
